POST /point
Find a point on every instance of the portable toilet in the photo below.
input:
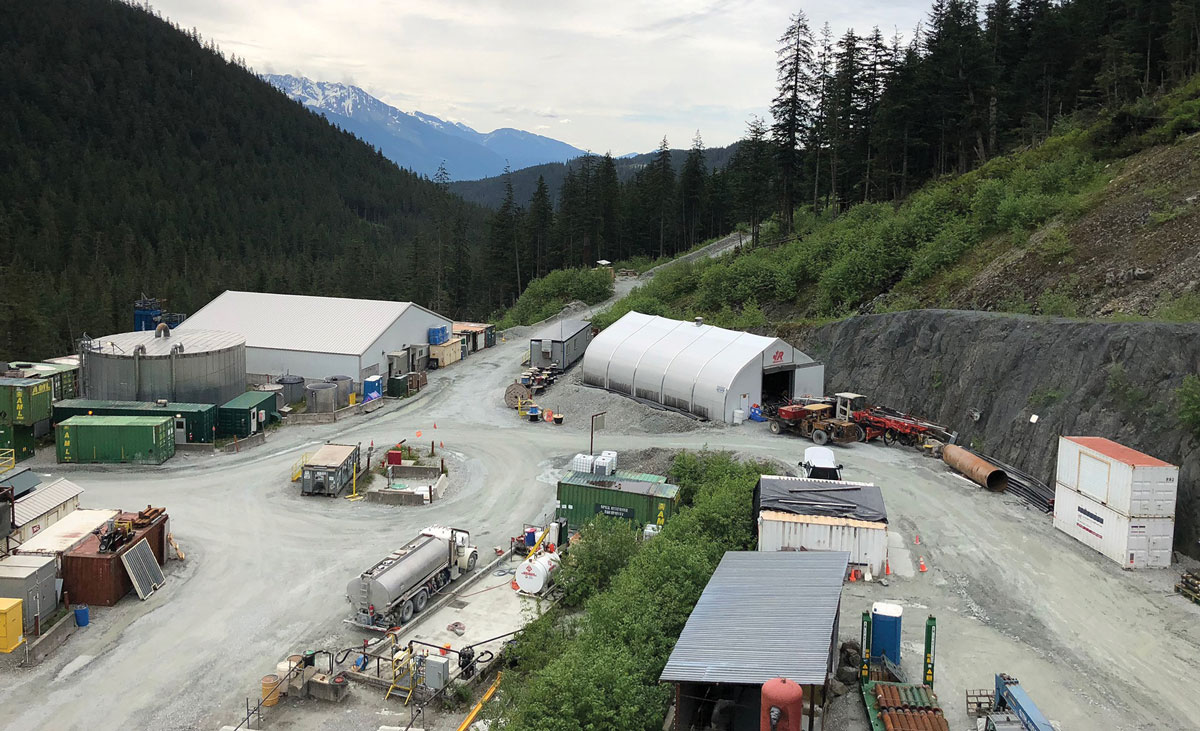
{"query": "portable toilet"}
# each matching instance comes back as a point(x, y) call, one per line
point(885, 631)
point(372, 388)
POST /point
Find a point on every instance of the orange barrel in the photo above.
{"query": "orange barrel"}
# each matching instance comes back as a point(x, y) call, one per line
point(270, 690)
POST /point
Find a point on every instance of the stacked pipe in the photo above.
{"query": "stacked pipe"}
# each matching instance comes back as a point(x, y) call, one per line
point(1189, 585)
point(1026, 486)
point(909, 708)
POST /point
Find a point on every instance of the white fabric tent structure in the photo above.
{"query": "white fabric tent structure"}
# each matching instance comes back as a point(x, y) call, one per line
point(704, 370)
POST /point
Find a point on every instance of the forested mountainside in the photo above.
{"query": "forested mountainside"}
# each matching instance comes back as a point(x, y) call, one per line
point(136, 158)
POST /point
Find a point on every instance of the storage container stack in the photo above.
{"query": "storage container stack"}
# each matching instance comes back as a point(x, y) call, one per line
point(439, 335)
point(583, 463)
point(1116, 500)
point(24, 414)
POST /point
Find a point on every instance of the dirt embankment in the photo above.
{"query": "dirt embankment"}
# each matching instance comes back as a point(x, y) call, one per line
point(987, 374)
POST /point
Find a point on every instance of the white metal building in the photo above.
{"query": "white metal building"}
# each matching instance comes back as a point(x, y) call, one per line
point(698, 368)
point(35, 511)
point(317, 337)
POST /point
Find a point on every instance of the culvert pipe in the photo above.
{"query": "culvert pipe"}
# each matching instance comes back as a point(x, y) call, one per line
point(978, 470)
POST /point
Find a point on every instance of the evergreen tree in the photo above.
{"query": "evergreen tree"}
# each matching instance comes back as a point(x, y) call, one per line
point(692, 193)
point(751, 171)
point(791, 109)
point(541, 223)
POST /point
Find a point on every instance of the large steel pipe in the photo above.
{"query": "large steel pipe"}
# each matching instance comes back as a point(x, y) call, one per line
point(978, 470)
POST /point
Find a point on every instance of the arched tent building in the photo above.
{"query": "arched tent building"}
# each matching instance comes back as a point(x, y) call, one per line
point(704, 370)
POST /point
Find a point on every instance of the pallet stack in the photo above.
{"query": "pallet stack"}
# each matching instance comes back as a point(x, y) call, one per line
point(904, 707)
point(1189, 586)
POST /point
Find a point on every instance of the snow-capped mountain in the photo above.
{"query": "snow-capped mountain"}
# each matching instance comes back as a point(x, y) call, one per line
point(419, 141)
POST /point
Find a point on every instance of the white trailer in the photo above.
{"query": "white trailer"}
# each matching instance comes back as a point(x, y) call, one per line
point(1134, 543)
point(394, 589)
point(1116, 476)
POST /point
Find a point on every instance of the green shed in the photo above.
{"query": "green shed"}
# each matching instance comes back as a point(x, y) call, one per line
point(24, 401)
point(193, 423)
point(19, 439)
point(582, 495)
point(133, 439)
point(247, 414)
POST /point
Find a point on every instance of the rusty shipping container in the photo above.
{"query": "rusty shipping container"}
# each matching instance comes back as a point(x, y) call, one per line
point(91, 577)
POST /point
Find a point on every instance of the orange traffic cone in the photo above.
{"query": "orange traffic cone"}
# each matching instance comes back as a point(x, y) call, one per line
point(852, 577)
point(441, 445)
point(887, 568)
point(435, 425)
point(514, 585)
point(923, 569)
point(916, 538)
point(418, 433)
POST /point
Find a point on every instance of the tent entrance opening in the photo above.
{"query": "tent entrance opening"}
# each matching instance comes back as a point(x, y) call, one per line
point(777, 385)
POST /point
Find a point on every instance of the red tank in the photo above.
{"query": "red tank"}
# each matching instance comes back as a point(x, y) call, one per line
point(782, 706)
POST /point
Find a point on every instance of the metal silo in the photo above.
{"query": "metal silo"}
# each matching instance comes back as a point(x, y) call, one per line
point(293, 388)
point(321, 398)
point(276, 389)
point(345, 386)
point(194, 366)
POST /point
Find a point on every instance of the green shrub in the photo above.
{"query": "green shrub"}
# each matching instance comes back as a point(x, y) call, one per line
point(1055, 247)
point(1058, 303)
point(1184, 308)
point(546, 296)
point(605, 546)
point(1189, 404)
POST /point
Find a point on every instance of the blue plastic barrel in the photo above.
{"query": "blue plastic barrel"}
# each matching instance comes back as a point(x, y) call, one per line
point(885, 631)
point(81, 615)
point(530, 537)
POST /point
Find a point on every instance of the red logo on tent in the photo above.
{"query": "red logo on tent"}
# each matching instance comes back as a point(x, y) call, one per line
point(778, 356)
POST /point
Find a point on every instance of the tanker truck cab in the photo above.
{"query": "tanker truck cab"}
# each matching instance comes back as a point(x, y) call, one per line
point(466, 554)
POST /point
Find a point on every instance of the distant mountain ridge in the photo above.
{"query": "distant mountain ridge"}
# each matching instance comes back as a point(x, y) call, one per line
point(419, 141)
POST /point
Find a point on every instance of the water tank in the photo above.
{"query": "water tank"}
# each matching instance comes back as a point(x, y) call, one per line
point(393, 577)
point(345, 386)
point(535, 575)
point(321, 398)
point(276, 389)
point(782, 705)
point(194, 366)
point(293, 388)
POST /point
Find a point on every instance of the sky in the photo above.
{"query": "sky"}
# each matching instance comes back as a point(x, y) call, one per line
point(603, 75)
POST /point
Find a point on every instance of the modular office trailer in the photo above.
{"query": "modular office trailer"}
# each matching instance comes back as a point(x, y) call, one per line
point(1134, 543)
point(582, 495)
point(562, 343)
point(1123, 479)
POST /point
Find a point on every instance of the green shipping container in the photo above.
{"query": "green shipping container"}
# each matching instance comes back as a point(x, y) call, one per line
point(24, 401)
point(193, 423)
point(133, 439)
point(240, 416)
point(63, 377)
point(582, 495)
point(19, 439)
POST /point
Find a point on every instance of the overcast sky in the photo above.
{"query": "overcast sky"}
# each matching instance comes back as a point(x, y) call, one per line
point(604, 75)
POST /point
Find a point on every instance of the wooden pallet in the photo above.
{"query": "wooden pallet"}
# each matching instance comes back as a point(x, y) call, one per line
point(1188, 592)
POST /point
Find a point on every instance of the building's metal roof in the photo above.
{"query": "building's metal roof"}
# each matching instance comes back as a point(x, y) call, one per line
point(300, 322)
point(107, 420)
point(172, 407)
point(63, 535)
point(44, 499)
point(1119, 452)
point(807, 496)
point(619, 483)
point(194, 341)
point(21, 480)
point(562, 330)
point(762, 616)
point(250, 399)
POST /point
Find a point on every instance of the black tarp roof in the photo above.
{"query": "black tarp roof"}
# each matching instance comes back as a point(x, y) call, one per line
point(833, 498)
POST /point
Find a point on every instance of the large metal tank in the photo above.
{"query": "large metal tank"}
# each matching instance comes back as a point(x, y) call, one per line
point(321, 398)
point(535, 574)
point(345, 386)
point(193, 366)
point(393, 577)
point(276, 389)
point(293, 388)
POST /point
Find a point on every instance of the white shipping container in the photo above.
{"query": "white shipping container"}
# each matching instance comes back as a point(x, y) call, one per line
point(1121, 478)
point(866, 541)
point(1134, 543)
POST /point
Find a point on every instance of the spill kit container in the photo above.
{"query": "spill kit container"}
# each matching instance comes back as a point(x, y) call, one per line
point(1134, 543)
point(25, 401)
point(20, 439)
point(247, 414)
point(191, 423)
point(131, 439)
point(1118, 477)
point(582, 495)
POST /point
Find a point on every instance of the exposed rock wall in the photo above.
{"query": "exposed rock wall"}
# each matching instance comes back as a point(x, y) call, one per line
point(1109, 379)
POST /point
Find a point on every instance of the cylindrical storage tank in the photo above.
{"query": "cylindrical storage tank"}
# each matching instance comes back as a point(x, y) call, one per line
point(283, 670)
point(276, 389)
point(400, 572)
point(192, 366)
point(321, 398)
point(270, 690)
point(980, 471)
point(788, 697)
point(345, 386)
point(535, 575)
point(293, 388)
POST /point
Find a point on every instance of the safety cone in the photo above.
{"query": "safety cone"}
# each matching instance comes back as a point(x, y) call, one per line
point(916, 538)
point(441, 445)
point(514, 585)
point(435, 425)
point(852, 575)
point(922, 564)
point(887, 568)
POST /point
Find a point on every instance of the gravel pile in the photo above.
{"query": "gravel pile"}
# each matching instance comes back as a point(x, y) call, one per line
point(578, 402)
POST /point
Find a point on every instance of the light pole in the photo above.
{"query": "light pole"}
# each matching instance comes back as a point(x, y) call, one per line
point(592, 442)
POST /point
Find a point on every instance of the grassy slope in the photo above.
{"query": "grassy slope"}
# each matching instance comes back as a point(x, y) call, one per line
point(1059, 229)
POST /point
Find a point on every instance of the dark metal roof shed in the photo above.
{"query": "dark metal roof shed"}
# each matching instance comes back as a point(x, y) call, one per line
point(762, 616)
point(833, 498)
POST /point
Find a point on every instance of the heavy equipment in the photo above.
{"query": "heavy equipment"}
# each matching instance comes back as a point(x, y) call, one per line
point(394, 589)
point(815, 421)
point(891, 425)
point(1009, 708)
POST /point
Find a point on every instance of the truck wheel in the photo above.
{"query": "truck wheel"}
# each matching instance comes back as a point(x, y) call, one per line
point(820, 436)
point(406, 611)
point(890, 437)
point(472, 561)
point(420, 600)
point(774, 426)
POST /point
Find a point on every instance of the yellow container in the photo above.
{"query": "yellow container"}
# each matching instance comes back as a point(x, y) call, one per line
point(270, 690)
point(11, 625)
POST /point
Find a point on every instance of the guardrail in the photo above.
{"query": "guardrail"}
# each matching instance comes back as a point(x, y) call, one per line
point(298, 465)
point(8, 460)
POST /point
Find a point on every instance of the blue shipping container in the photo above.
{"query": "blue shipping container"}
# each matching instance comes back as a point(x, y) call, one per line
point(885, 631)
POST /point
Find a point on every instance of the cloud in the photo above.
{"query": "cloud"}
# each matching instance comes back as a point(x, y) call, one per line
point(564, 121)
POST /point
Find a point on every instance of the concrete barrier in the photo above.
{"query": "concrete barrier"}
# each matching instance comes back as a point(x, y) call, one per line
point(253, 440)
point(196, 448)
point(414, 472)
point(326, 418)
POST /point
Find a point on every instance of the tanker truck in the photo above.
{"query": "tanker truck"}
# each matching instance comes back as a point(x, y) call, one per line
point(393, 590)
